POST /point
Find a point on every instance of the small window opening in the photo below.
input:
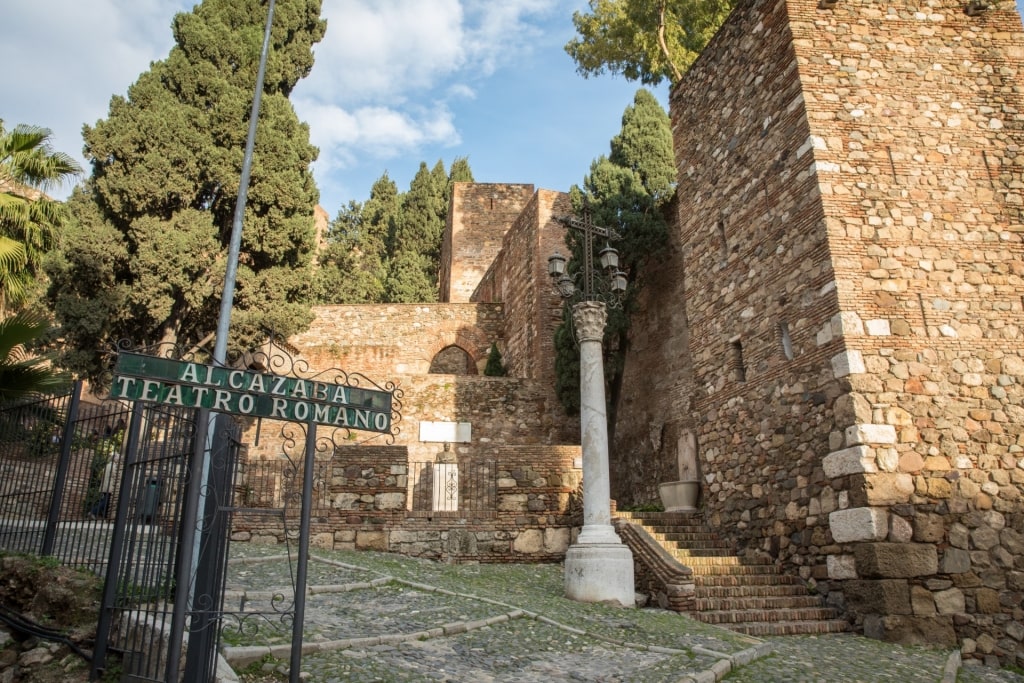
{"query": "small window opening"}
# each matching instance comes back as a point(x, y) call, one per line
point(787, 341)
point(724, 240)
point(737, 369)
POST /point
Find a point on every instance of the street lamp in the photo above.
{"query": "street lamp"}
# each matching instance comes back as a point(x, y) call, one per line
point(598, 566)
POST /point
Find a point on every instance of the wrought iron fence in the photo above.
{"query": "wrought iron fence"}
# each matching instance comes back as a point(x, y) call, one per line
point(59, 477)
point(466, 488)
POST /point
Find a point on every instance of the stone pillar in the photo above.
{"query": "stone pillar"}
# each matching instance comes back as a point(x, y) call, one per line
point(598, 567)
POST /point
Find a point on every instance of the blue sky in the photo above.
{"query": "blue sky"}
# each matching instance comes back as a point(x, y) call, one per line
point(396, 82)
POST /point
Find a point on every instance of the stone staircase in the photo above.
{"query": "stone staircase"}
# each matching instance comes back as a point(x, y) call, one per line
point(751, 596)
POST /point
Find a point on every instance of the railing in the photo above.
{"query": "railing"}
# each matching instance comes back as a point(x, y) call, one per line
point(450, 489)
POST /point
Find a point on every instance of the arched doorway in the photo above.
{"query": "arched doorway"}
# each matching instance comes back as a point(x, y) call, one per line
point(452, 360)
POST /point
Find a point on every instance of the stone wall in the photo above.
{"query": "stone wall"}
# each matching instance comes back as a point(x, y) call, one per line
point(386, 340)
point(364, 504)
point(917, 122)
point(502, 411)
point(479, 216)
point(839, 322)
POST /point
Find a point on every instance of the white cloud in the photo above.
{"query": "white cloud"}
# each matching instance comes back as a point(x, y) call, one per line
point(385, 48)
point(377, 131)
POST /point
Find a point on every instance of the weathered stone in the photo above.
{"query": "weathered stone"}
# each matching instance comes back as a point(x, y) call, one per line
point(887, 596)
point(556, 540)
point(929, 528)
point(950, 601)
point(858, 524)
point(919, 630)
point(367, 539)
point(900, 530)
point(895, 560)
point(955, 561)
point(987, 601)
point(389, 501)
point(529, 541)
point(841, 567)
point(881, 488)
point(922, 602)
point(854, 460)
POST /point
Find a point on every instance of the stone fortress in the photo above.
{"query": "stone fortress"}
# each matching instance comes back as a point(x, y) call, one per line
point(833, 347)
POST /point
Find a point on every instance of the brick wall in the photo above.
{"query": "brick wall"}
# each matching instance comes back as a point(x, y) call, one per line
point(839, 322)
point(518, 278)
point(479, 215)
point(385, 340)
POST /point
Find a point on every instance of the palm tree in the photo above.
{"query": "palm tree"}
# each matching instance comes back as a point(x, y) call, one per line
point(22, 373)
point(29, 167)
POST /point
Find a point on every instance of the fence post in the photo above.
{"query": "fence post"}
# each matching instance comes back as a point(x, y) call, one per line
point(186, 543)
point(99, 655)
point(60, 480)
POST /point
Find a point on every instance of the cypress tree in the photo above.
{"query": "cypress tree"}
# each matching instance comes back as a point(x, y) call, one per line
point(628, 191)
point(415, 248)
point(494, 367)
point(166, 164)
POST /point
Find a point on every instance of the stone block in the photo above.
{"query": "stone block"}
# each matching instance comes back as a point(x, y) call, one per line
point(922, 602)
point(841, 567)
point(389, 501)
point(515, 502)
point(854, 460)
point(919, 630)
point(895, 560)
point(368, 539)
point(881, 488)
point(346, 501)
point(870, 434)
point(955, 561)
point(858, 524)
point(885, 596)
point(556, 539)
point(987, 601)
point(528, 541)
point(322, 540)
point(847, 363)
point(950, 601)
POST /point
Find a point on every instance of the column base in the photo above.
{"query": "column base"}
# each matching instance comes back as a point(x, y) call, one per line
point(600, 573)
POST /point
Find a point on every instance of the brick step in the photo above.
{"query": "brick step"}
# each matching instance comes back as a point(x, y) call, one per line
point(690, 551)
point(734, 602)
point(788, 628)
point(730, 580)
point(675, 534)
point(690, 559)
point(747, 595)
point(654, 518)
point(706, 539)
point(731, 569)
point(741, 616)
point(744, 591)
point(696, 530)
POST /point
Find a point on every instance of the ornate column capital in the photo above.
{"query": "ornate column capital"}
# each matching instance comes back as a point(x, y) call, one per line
point(589, 318)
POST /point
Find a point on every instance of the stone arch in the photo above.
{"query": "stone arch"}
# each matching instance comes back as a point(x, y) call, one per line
point(452, 360)
point(470, 340)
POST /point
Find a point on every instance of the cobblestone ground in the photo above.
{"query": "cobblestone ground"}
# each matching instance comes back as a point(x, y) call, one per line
point(504, 623)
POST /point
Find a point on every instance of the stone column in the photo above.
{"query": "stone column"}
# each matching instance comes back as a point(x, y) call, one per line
point(598, 567)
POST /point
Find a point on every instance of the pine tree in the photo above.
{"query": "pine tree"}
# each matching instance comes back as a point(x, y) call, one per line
point(628, 191)
point(166, 164)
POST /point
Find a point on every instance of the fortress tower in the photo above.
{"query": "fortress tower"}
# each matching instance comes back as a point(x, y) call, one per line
point(840, 326)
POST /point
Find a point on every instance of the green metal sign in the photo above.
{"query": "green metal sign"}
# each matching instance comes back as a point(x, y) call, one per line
point(254, 394)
